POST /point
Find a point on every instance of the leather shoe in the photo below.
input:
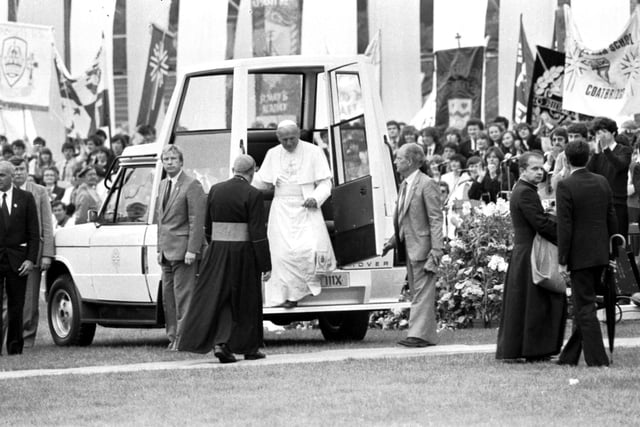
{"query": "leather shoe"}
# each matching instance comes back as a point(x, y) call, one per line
point(414, 342)
point(255, 356)
point(223, 354)
point(289, 304)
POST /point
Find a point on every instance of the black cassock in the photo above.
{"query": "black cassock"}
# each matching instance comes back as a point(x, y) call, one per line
point(533, 319)
point(227, 302)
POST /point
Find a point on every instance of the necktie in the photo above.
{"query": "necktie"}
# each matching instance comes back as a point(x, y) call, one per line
point(167, 193)
point(5, 211)
point(401, 201)
point(64, 169)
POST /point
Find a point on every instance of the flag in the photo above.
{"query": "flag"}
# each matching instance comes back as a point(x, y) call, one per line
point(603, 82)
point(155, 76)
point(26, 52)
point(85, 99)
point(459, 85)
point(524, 69)
point(374, 51)
point(546, 89)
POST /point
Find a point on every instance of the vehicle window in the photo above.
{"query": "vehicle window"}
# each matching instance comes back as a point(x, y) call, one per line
point(351, 128)
point(273, 98)
point(207, 103)
point(355, 156)
point(206, 156)
point(130, 196)
point(349, 96)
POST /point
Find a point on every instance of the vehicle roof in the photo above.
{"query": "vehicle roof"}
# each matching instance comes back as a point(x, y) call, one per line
point(154, 148)
point(284, 61)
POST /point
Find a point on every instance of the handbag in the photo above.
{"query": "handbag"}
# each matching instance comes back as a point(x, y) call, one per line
point(544, 266)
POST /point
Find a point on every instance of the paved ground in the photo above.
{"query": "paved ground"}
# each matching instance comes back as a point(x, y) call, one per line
point(280, 359)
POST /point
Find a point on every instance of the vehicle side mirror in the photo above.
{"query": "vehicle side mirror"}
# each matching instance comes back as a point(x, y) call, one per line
point(92, 216)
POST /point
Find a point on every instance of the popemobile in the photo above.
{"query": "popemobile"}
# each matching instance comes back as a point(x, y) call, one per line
point(106, 273)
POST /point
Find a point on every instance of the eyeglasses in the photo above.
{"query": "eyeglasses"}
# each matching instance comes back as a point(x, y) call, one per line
point(558, 139)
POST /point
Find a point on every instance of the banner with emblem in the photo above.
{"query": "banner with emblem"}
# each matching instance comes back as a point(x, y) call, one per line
point(85, 98)
point(606, 81)
point(155, 76)
point(459, 85)
point(545, 98)
point(25, 65)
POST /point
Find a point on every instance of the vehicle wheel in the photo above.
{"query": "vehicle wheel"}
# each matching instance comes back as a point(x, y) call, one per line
point(344, 326)
point(63, 310)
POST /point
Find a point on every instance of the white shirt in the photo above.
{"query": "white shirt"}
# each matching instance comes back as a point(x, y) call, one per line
point(174, 180)
point(408, 183)
point(9, 198)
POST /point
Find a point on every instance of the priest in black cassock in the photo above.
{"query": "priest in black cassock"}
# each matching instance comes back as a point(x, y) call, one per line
point(226, 308)
point(533, 318)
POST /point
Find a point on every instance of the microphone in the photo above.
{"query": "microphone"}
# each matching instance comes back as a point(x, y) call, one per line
point(512, 158)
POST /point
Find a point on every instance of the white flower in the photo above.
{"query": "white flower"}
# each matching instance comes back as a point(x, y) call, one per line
point(446, 259)
point(446, 297)
point(497, 263)
point(455, 220)
point(502, 206)
point(460, 285)
point(466, 208)
point(489, 209)
point(498, 288)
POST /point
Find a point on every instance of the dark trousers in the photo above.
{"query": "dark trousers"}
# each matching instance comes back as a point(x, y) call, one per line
point(16, 287)
point(622, 215)
point(586, 327)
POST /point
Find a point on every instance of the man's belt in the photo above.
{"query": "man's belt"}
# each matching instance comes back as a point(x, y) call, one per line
point(230, 231)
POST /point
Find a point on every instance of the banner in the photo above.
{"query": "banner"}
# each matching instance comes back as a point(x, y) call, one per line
point(276, 27)
point(25, 65)
point(85, 99)
point(603, 82)
point(545, 97)
point(155, 76)
point(524, 70)
point(459, 85)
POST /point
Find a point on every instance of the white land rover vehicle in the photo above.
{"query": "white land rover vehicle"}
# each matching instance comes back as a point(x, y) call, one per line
point(105, 272)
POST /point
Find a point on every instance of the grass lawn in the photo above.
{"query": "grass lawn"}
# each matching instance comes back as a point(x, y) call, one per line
point(123, 346)
point(436, 390)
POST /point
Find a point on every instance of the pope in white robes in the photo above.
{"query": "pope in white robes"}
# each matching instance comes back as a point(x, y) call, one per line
point(298, 238)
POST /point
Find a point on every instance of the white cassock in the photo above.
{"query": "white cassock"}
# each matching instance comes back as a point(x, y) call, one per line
point(298, 238)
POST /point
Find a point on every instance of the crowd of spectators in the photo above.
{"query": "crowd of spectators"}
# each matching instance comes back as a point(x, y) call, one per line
point(480, 162)
point(73, 176)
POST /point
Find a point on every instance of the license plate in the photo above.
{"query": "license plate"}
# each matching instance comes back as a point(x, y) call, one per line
point(335, 280)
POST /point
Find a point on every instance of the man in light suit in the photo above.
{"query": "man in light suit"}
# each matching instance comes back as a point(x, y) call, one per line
point(180, 214)
point(586, 221)
point(19, 244)
point(45, 254)
point(418, 232)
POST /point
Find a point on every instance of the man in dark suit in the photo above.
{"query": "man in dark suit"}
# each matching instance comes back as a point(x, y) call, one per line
point(45, 253)
point(586, 220)
point(19, 244)
point(468, 147)
point(418, 231)
point(180, 213)
point(612, 161)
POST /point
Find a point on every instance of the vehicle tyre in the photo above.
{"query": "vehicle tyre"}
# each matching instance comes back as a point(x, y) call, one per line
point(344, 326)
point(63, 312)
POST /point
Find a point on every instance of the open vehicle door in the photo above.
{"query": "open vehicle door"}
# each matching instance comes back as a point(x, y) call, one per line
point(357, 198)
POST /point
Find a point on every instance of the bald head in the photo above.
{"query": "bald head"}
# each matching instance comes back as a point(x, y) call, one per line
point(6, 175)
point(245, 166)
point(288, 134)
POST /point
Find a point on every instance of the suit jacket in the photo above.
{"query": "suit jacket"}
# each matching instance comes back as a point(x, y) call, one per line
point(437, 149)
point(465, 148)
point(21, 240)
point(586, 220)
point(181, 222)
point(43, 207)
point(614, 166)
point(420, 223)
